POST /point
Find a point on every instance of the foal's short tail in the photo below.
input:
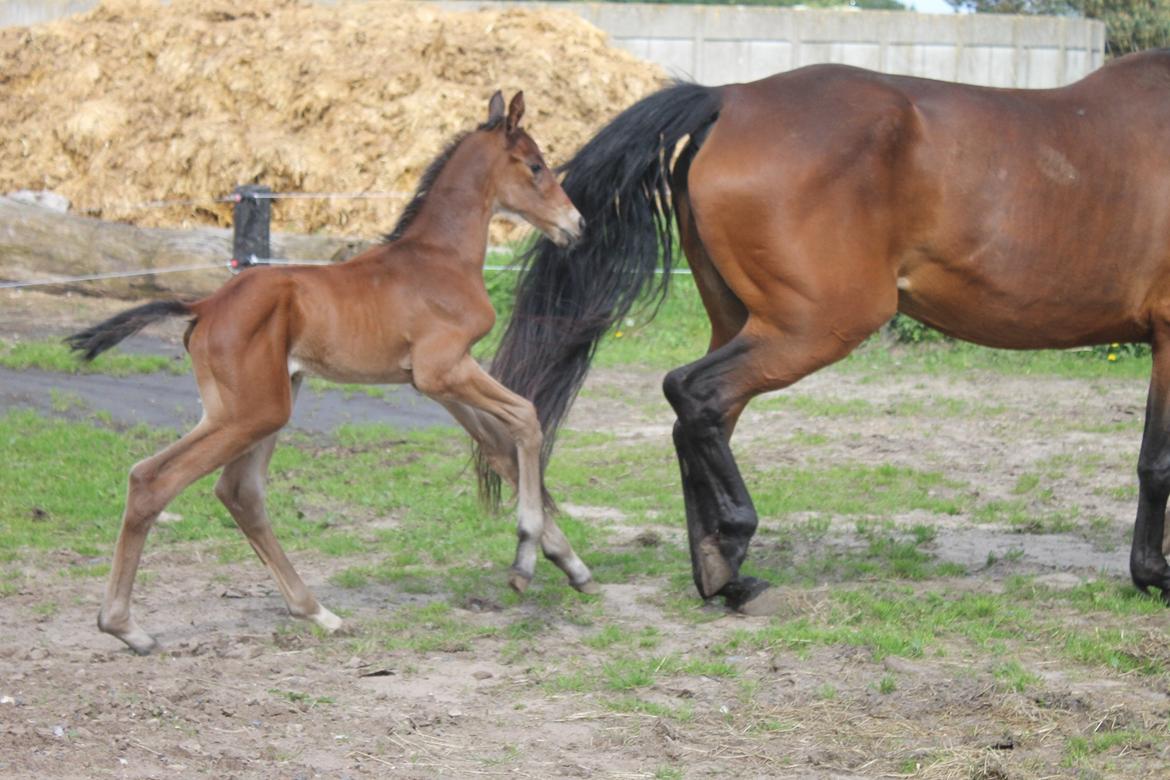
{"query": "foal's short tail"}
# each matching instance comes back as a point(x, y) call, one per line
point(92, 342)
point(567, 299)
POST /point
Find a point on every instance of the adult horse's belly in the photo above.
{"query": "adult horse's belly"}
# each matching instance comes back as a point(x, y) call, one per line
point(1017, 305)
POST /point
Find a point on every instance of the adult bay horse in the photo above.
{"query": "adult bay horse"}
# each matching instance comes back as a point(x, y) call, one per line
point(815, 204)
point(407, 310)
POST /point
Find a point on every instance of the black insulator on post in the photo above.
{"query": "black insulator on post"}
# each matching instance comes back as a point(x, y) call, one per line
point(251, 218)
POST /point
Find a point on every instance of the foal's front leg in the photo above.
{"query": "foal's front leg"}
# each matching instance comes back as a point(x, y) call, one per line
point(501, 452)
point(464, 382)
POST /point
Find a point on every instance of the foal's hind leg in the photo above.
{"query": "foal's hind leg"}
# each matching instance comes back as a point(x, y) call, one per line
point(154, 482)
point(501, 452)
point(241, 488)
point(1147, 561)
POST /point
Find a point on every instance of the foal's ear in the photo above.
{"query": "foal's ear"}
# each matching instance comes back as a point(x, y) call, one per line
point(515, 112)
point(496, 106)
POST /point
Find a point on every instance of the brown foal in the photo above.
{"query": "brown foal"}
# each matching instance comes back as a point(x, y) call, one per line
point(406, 311)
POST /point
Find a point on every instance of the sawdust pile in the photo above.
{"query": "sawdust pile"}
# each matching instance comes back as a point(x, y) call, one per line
point(137, 102)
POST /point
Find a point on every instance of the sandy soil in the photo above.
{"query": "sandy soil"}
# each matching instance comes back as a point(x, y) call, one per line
point(242, 691)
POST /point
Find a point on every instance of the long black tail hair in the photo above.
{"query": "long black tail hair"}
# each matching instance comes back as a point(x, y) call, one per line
point(567, 299)
point(92, 342)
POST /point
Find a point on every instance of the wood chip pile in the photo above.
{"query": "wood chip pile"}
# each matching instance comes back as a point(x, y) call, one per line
point(138, 101)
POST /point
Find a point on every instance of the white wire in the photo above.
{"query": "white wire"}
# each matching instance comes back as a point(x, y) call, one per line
point(206, 266)
point(321, 195)
point(109, 275)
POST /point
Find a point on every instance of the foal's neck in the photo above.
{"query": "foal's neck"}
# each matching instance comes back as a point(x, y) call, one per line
point(455, 214)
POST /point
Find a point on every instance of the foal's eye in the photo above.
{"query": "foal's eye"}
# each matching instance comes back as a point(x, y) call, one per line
point(535, 168)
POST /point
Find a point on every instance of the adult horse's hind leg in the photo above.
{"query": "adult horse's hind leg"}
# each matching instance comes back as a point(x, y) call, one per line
point(1147, 562)
point(242, 489)
point(706, 396)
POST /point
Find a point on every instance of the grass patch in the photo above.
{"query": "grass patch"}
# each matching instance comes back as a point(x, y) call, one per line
point(892, 620)
point(48, 355)
point(797, 554)
point(423, 629)
point(1078, 750)
point(833, 489)
point(1011, 676)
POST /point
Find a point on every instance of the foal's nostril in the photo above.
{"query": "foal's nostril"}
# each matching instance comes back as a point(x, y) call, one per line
point(581, 224)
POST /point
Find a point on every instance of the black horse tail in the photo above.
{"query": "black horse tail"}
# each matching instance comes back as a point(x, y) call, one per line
point(92, 342)
point(568, 298)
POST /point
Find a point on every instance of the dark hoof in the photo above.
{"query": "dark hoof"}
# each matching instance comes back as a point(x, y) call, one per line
point(713, 569)
point(518, 581)
point(751, 596)
point(1151, 577)
point(769, 602)
point(1155, 591)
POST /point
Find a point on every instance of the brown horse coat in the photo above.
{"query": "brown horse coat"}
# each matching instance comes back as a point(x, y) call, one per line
point(408, 310)
point(815, 204)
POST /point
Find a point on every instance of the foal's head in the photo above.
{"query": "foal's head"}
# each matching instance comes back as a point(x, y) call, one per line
point(524, 183)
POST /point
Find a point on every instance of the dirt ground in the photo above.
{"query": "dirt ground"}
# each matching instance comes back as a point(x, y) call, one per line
point(75, 703)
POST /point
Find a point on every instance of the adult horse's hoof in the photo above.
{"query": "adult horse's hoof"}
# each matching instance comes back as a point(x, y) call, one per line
point(754, 597)
point(713, 569)
point(769, 602)
point(518, 581)
point(589, 587)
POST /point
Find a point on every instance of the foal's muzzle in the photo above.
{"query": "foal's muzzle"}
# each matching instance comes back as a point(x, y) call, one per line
point(569, 230)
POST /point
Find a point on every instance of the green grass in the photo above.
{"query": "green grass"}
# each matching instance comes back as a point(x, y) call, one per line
point(1079, 750)
point(630, 671)
point(1012, 676)
point(427, 628)
point(889, 595)
point(50, 355)
point(834, 488)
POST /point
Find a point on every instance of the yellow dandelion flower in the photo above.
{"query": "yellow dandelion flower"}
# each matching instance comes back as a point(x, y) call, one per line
point(618, 334)
point(1112, 358)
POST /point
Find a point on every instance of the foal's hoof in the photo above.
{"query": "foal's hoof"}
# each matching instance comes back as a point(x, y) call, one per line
point(135, 638)
point(713, 569)
point(325, 620)
point(141, 646)
point(589, 587)
point(518, 581)
point(753, 597)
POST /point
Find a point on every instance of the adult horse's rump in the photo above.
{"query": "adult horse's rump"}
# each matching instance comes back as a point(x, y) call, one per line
point(815, 204)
